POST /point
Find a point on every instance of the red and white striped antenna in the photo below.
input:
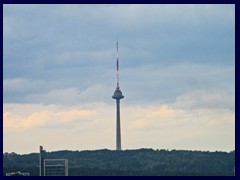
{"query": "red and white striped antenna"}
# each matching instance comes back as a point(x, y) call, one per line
point(117, 68)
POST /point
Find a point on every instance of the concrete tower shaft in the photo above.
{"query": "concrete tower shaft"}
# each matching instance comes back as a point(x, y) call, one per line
point(118, 127)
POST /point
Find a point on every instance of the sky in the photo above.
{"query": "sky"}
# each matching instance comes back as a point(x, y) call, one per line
point(177, 73)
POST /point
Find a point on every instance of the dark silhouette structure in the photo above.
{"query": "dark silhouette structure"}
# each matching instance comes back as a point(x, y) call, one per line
point(118, 95)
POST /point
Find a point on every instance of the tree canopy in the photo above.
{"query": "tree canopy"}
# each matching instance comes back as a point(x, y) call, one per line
point(140, 162)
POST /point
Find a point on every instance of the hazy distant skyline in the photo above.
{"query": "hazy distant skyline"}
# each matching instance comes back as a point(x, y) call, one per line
point(177, 73)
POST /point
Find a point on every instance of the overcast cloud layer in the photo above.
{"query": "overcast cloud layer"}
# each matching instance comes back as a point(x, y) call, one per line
point(177, 72)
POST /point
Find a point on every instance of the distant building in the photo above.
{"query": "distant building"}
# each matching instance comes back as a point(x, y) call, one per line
point(52, 167)
point(18, 173)
point(55, 167)
point(41, 161)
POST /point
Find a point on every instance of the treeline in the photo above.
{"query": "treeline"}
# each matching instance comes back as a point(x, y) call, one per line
point(141, 162)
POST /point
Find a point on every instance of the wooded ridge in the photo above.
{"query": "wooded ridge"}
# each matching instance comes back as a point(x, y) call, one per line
point(140, 162)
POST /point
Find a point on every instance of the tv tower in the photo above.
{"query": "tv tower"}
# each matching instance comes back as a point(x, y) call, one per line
point(118, 95)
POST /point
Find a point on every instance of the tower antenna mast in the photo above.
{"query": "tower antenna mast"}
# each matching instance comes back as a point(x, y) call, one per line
point(117, 68)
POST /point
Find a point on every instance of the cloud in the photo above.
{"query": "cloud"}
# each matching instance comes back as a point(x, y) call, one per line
point(75, 114)
point(41, 116)
point(23, 85)
point(165, 84)
point(70, 96)
point(19, 123)
point(160, 52)
point(177, 72)
point(168, 83)
point(166, 126)
point(210, 99)
point(153, 126)
point(163, 112)
point(18, 84)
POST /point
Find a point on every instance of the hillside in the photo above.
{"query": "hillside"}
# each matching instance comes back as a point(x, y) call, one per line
point(141, 162)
